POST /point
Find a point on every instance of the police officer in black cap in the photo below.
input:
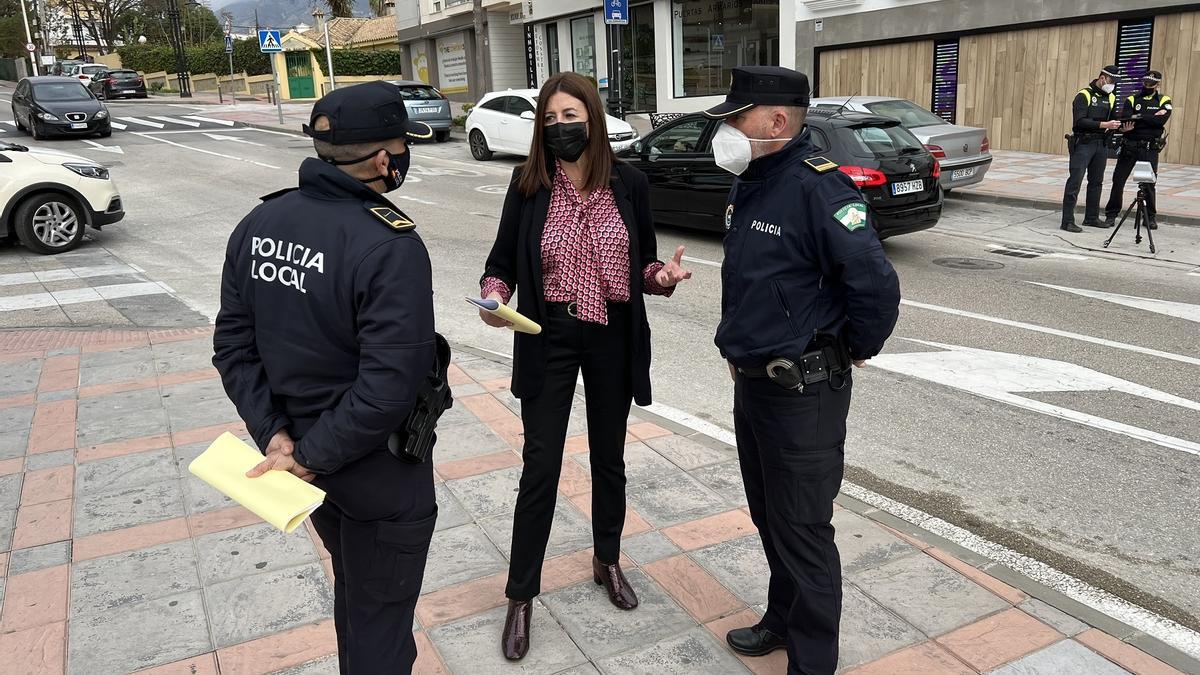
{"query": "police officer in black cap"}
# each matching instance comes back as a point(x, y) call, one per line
point(323, 341)
point(1093, 115)
point(1145, 115)
point(806, 292)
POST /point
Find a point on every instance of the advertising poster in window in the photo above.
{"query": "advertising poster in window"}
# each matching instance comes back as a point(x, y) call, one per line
point(452, 64)
point(420, 61)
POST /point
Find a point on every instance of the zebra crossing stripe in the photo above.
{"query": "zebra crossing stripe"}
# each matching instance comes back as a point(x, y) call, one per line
point(210, 120)
point(118, 126)
point(138, 120)
point(173, 120)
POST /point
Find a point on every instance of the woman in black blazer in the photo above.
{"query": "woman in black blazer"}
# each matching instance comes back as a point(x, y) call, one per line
point(576, 238)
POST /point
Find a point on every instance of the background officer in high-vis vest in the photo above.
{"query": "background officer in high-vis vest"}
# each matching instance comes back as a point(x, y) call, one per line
point(1093, 114)
point(1145, 115)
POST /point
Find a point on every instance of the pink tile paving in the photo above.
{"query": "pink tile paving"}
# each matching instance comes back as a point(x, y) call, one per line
point(1012, 595)
point(53, 427)
point(774, 663)
point(428, 661)
point(475, 466)
point(206, 434)
point(17, 401)
point(711, 530)
point(129, 539)
point(574, 479)
point(39, 524)
point(41, 650)
point(486, 407)
point(634, 523)
point(205, 664)
point(455, 375)
point(926, 658)
point(92, 453)
point(455, 602)
point(693, 588)
point(1123, 654)
point(19, 357)
point(58, 380)
point(998, 639)
point(510, 429)
point(48, 485)
point(220, 521)
point(35, 599)
point(11, 466)
point(644, 431)
point(3, 564)
point(117, 387)
point(188, 376)
point(279, 651)
point(61, 363)
point(576, 445)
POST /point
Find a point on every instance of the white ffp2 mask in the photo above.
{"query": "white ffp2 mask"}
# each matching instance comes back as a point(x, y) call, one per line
point(731, 148)
point(1108, 88)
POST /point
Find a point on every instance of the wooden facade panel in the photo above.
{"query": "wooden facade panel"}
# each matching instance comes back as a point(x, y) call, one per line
point(904, 70)
point(1019, 84)
point(1176, 52)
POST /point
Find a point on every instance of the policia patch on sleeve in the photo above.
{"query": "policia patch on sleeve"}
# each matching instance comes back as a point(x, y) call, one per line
point(820, 164)
point(852, 216)
point(392, 218)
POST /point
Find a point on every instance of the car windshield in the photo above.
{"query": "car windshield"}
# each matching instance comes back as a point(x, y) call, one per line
point(92, 70)
point(910, 114)
point(123, 74)
point(61, 91)
point(879, 140)
point(418, 93)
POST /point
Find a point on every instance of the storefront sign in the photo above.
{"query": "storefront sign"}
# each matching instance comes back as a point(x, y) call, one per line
point(452, 64)
point(419, 55)
point(531, 70)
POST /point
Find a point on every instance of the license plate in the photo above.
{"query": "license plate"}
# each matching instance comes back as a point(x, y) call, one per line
point(959, 174)
point(79, 125)
point(429, 110)
point(908, 187)
point(128, 91)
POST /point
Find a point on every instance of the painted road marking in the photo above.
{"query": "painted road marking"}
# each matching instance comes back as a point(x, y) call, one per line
point(210, 120)
point(118, 126)
point(1179, 310)
point(998, 376)
point(78, 295)
point(17, 278)
point(202, 150)
point(172, 120)
point(138, 120)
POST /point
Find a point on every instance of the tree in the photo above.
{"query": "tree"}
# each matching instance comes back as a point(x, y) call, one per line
point(150, 18)
point(379, 7)
point(340, 7)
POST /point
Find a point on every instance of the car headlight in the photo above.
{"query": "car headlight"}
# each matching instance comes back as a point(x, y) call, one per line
point(89, 170)
point(49, 117)
point(101, 115)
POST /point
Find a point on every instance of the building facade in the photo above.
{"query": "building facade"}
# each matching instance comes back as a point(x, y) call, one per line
point(1012, 68)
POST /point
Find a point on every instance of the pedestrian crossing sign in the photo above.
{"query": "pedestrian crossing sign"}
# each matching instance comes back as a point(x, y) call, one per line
point(268, 41)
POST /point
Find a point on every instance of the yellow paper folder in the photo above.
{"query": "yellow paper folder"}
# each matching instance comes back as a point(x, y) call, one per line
point(520, 322)
point(278, 497)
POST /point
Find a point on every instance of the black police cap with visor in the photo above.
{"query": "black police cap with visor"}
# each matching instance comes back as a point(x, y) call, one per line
point(365, 113)
point(762, 85)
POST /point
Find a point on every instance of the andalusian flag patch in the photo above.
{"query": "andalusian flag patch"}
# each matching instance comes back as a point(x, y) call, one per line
point(852, 216)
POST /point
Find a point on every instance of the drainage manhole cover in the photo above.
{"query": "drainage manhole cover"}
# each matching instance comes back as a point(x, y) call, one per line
point(968, 264)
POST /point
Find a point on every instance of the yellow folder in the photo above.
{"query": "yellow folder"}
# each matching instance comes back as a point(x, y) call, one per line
point(278, 497)
point(520, 322)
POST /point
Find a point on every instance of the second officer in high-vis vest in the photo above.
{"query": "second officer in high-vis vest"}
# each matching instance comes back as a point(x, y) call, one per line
point(1145, 114)
point(1093, 115)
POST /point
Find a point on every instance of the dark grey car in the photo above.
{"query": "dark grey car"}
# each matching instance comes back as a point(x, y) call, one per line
point(426, 104)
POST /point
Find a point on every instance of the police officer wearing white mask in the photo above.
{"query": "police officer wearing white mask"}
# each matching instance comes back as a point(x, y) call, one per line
point(806, 292)
point(1093, 115)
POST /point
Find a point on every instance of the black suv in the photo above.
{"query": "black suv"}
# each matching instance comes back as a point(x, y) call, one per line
point(896, 174)
point(118, 83)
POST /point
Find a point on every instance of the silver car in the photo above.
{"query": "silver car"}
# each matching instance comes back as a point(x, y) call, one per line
point(964, 152)
point(426, 104)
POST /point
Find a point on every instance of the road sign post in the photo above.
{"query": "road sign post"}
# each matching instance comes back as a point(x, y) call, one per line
point(616, 14)
point(229, 52)
point(269, 43)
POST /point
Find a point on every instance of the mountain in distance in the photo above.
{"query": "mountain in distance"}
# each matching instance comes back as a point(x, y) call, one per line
point(283, 14)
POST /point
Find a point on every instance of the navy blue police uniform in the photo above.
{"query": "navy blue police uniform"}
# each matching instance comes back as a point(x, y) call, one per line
point(326, 331)
point(1088, 149)
point(1148, 110)
point(806, 289)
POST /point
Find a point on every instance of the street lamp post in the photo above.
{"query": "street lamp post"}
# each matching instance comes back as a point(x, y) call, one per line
point(33, 56)
point(181, 64)
point(318, 17)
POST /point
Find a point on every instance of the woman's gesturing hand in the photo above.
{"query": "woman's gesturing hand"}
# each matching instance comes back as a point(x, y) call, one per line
point(491, 319)
point(673, 272)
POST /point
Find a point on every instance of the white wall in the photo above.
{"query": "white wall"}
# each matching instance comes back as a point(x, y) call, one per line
point(507, 49)
point(816, 9)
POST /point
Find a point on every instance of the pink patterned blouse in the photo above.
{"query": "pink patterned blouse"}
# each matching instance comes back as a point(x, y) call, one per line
point(585, 253)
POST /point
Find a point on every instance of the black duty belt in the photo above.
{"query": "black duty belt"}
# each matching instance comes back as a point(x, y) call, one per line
point(819, 365)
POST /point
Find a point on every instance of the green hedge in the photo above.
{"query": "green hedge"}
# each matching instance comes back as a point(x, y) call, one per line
point(355, 63)
point(209, 58)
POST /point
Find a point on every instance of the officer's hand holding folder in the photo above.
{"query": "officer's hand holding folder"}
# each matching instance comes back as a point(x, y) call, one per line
point(517, 321)
point(278, 497)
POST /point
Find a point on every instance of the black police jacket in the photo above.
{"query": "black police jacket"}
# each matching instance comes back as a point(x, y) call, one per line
point(516, 259)
point(1090, 107)
point(326, 320)
point(801, 259)
point(1143, 110)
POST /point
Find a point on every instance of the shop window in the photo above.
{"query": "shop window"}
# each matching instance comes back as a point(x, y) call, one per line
point(583, 45)
point(945, 79)
point(712, 37)
point(1133, 54)
point(638, 80)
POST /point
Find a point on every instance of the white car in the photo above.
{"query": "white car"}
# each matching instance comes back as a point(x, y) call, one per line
point(85, 71)
point(49, 198)
point(502, 121)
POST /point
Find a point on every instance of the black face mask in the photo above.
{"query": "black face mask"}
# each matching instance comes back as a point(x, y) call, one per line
point(396, 171)
point(566, 140)
point(1148, 88)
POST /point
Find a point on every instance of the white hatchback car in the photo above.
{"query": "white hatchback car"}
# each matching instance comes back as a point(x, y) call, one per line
point(49, 198)
point(85, 71)
point(502, 121)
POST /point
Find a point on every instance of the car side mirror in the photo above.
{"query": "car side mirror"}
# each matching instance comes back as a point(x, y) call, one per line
point(637, 147)
point(528, 115)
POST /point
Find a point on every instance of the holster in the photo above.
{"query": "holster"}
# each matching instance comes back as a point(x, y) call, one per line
point(412, 442)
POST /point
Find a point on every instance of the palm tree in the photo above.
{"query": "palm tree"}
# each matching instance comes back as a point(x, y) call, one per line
point(379, 7)
point(340, 7)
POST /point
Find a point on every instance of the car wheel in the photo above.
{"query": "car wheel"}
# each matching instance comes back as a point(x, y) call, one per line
point(49, 223)
point(479, 146)
point(33, 130)
point(17, 120)
point(106, 133)
point(947, 191)
point(142, 95)
point(443, 136)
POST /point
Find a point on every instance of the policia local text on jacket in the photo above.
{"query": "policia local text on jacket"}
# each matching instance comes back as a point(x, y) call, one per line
point(1148, 110)
point(326, 330)
point(1092, 113)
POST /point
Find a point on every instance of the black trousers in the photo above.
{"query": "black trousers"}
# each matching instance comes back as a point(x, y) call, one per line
point(376, 523)
point(1125, 161)
point(603, 354)
point(790, 445)
point(1090, 157)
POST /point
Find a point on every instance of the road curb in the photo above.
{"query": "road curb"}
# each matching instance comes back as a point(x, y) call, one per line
point(1035, 589)
point(964, 194)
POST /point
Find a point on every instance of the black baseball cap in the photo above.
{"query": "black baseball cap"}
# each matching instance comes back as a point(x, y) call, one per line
point(363, 113)
point(1112, 71)
point(762, 85)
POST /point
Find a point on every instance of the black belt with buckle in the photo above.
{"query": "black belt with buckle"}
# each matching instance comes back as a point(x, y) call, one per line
point(816, 366)
point(571, 309)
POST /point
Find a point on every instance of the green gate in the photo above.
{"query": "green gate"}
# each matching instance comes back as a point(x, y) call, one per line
point(300, 75)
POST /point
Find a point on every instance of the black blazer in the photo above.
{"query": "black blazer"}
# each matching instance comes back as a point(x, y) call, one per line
point(516, 259)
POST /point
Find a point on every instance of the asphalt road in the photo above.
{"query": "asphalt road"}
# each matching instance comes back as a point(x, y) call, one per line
point(1018, 398)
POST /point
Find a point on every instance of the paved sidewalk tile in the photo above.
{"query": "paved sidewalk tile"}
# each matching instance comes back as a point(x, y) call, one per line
point(261, 604)
point(695, 651)
point(1067, 656)
point(473, 644)
point(134, 636)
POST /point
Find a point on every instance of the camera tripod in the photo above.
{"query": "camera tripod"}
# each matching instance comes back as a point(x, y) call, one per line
point(1139, 219)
